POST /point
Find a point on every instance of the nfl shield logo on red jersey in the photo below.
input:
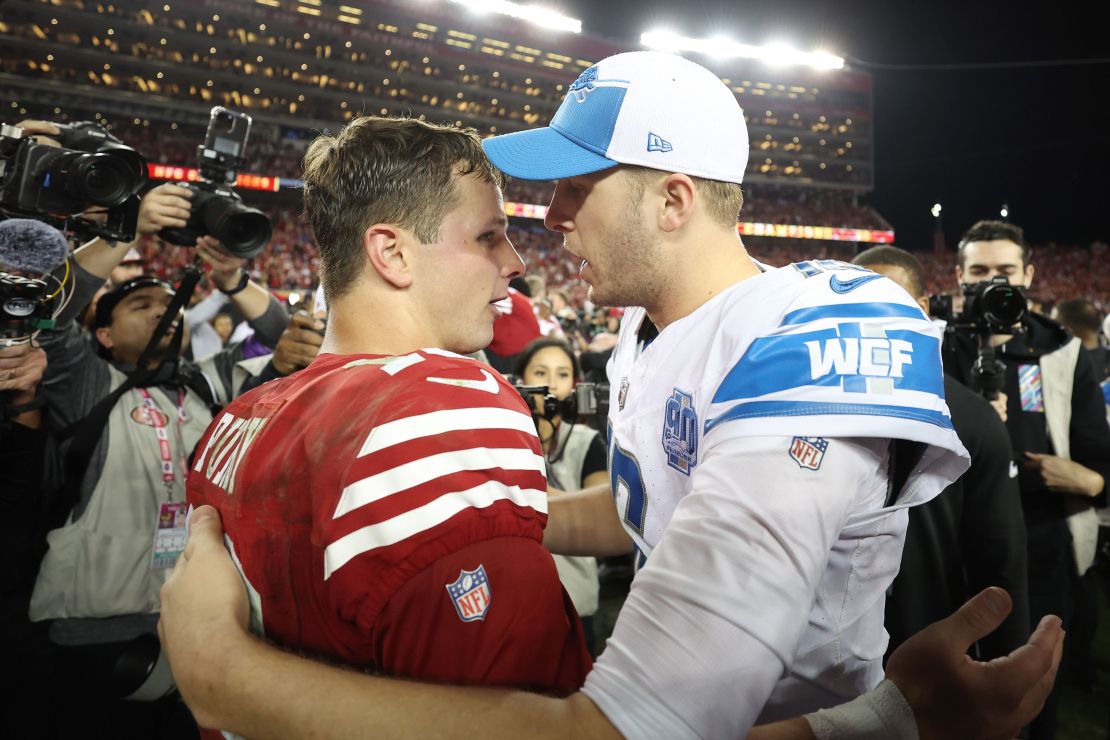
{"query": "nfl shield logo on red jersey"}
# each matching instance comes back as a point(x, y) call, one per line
point(808, 452)
point(470, 594)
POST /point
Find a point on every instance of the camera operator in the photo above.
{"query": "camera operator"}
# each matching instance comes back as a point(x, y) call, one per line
point(122, 502)
point(971, 536)
point(1056, 424)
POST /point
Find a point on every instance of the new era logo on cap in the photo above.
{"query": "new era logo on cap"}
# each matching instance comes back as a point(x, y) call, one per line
point(657, 143)
point(620, 103)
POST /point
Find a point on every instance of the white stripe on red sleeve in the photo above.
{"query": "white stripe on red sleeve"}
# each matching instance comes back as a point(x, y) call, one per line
point(420, 519)
point(426, 469)
point(448, 420)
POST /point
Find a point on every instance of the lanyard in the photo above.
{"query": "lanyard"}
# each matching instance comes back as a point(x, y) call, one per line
point(160, 431)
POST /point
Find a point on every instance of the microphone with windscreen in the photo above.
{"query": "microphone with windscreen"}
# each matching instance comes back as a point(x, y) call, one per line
point(27, 246)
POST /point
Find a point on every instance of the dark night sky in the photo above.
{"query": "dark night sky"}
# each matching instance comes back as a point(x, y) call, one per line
point(972, 140)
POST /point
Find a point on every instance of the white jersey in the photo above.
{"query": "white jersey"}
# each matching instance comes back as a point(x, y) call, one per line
point(750, 456)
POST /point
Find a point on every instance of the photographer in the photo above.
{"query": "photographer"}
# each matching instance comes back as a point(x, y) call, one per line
point(1056, 424)
point(98, 583)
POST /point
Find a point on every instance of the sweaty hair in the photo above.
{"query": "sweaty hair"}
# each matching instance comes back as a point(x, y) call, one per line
point(1079, 315)
point(989, 231)
point(722, 200)
point(895, 257)
point(383, 170)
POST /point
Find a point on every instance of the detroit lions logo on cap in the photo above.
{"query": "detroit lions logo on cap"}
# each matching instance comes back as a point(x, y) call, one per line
point(584, 85)
point(470, 594)
point(680, 432)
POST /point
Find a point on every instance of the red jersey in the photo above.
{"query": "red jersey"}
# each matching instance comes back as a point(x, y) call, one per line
point(388, 512)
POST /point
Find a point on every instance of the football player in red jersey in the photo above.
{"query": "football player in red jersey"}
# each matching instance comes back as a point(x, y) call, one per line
point(386, 505)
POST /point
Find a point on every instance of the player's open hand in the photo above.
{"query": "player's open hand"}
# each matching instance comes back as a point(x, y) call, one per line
point(204, 608)
point(954, 696)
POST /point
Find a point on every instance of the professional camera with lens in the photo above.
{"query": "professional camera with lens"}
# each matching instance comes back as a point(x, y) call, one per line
point(217, 210)
point(990, 307)
point(91, 170)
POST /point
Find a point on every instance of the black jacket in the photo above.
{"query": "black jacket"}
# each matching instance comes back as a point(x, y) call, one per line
point(969, 537)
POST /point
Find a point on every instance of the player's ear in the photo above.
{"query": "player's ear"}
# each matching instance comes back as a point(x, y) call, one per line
point(679, 196)
point(387, 250)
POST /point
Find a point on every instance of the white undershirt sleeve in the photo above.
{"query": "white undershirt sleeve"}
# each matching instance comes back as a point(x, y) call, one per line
point(715, 616)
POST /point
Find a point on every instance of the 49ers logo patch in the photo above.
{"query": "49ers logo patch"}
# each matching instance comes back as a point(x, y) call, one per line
point(144, 415)
point(470, 594)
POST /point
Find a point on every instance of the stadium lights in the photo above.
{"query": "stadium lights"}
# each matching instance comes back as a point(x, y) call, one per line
point(935, 210)
point(724, 48)
point(537, 15)
point(1005, 212)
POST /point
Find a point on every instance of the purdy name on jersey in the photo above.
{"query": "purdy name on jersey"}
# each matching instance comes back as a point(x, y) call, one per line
point(815, 349)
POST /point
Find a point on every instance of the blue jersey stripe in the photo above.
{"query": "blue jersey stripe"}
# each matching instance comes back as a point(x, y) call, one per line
point(852, 311)
point(778, 363)
point(762, 409)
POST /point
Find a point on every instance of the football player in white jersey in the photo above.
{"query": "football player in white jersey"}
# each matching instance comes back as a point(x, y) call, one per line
point(768, 430)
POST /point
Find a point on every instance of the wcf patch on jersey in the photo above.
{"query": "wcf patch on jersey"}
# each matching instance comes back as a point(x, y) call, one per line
point(470, 594)
point(808, 452)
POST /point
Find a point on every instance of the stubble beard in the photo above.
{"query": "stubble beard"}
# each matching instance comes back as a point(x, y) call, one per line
point(629, 277)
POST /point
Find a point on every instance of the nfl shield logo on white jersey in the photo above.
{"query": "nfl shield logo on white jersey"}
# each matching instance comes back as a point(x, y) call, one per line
point(680, 432)
point(808, 452)
point(470, 594)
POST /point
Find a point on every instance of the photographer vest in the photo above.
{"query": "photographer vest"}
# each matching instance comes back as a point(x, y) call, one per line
point(99, 564)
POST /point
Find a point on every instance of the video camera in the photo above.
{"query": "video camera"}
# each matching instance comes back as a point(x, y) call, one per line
point(990, 307)
point(217, 210)
point(57, 184)
point(587, 400)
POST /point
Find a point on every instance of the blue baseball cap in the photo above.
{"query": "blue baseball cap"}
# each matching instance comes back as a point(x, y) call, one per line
point(644, 108)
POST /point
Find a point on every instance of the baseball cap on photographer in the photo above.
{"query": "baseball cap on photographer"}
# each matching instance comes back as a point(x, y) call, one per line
point(108, 302)
point(643, 108)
